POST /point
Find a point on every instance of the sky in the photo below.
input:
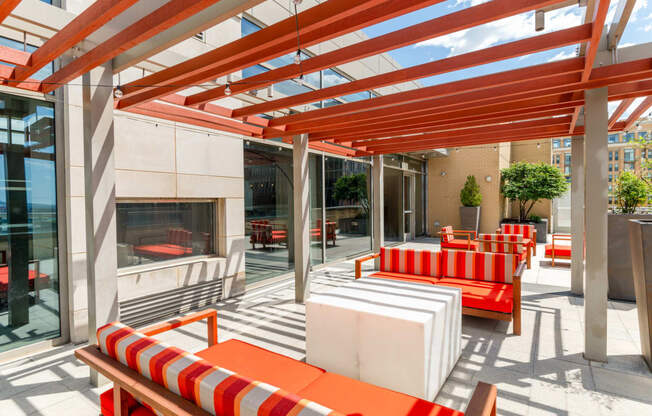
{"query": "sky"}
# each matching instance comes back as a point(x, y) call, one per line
point(639, 30)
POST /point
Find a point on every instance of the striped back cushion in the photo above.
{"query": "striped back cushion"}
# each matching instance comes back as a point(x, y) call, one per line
point(447, 238)
point(474, 265)
point(407, 260)
point(217, 390)
point(526, 230)
point(495, 247)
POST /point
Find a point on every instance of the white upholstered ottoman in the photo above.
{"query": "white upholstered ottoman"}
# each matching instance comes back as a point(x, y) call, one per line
point(399, 335)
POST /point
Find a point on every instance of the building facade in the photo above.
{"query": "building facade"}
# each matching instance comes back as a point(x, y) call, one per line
point(195, 215)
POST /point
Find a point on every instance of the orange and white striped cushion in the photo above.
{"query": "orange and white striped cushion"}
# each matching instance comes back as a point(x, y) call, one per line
point(410, 261)
point(447, 236)
point(526, 230)
point(217, 390)
point(499, 247)
point(494, 267)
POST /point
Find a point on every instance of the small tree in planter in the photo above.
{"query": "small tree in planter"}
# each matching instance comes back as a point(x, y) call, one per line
point(528, 183)
point(630, 192)
point(471, 199)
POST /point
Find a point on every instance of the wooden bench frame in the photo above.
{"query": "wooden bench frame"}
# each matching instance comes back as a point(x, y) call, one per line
point(466, 233)
point(481, 313)
point(527, 247)
point(533, 240)
point(553, 256)
point(125, 380)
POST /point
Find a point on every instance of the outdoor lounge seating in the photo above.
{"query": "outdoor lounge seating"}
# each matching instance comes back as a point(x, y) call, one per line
point(264, 233)
point(490, 282)
point(528, 232)
point(556, 251)
point(448, 240)
point(331, 227)
point(149, 376)
point(506, 243)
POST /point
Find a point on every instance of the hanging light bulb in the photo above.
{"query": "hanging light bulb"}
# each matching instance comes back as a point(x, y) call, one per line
point(297, 2)
point(297, 58)
point(495, 148)
point(227, 90)
point(118, 93)
point(538, 145)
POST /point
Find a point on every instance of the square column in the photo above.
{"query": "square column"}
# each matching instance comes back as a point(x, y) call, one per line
point(377, 206)
point(595, 214)
point(99, 184)
point(301, 220)
point(577, 215)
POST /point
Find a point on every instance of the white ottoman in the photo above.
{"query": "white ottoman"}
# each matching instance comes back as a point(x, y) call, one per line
point(398, 335)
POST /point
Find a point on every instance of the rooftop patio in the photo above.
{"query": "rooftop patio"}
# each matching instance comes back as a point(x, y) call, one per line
point(541, 372)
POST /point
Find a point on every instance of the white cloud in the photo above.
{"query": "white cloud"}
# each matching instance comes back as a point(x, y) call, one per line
point(562, 55)
point(648, 28)
point(638, 6)
point(504, 30)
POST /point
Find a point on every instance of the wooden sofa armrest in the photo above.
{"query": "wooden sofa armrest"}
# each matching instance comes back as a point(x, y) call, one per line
point(140, 387)
point(358, 263)
point(516, 296)
point(209, 314)
point(483, 401)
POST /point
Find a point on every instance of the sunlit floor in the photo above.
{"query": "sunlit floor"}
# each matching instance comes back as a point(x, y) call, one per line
point(540, 372)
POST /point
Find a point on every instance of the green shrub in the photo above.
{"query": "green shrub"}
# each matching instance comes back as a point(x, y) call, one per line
point(630, 192)
point(535, 218)
point(470, 194)
point(527, 183)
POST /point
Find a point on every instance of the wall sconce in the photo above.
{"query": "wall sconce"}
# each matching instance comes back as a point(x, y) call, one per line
point(443, 173)
point(487, 178)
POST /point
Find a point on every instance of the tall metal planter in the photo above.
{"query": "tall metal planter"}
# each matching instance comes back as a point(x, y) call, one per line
point(640, 239)
point(619, 263)
point(470, 218)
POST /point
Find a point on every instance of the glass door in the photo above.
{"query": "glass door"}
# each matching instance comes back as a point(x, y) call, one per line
point(408, 207)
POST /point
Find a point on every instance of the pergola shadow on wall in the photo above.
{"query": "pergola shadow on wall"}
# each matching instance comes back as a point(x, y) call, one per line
point(562, 98)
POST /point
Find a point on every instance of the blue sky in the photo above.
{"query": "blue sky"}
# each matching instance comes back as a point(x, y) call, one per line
point(639, 30)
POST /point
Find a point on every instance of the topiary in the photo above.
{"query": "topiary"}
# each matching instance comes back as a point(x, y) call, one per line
point(470, 194)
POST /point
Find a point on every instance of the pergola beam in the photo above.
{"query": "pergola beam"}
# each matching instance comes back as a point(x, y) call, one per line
point(87, 22)
point(6, 7)
point(439, 26)
point(619, 23)
point(521, 47)
point(638, 112)
point(622, 107)
point(317, 24)
point(160, 19)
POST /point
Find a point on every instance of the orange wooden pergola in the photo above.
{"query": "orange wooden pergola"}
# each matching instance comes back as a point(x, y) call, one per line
point(535, 102)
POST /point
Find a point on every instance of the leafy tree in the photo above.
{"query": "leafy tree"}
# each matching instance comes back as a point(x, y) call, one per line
point(645, 144)
point(353, 188)
point(630, 192)
point(528, 183)
point(470, 194)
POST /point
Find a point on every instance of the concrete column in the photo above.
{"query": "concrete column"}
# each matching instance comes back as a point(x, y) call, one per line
point(99, 184)
point(577, 215)
point(301, 191)
point(595, 214)
point(377, 206)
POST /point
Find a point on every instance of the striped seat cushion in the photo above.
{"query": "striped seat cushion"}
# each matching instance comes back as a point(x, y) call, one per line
point(219, 391)
point(494, 247)
point(526, 230)
point(447, 235)
point(410, 261)
point(495, 267)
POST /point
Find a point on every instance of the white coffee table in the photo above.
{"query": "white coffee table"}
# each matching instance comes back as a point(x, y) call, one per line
point(398, 335)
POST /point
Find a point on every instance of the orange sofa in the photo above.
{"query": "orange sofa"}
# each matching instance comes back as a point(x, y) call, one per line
point(447, 237)
point(490, 282)
point(151, 377)
point(556, 251)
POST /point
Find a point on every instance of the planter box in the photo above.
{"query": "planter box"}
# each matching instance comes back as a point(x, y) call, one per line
point(541, 227)
point(640, 243)
point(619, 259)
point(470, 218)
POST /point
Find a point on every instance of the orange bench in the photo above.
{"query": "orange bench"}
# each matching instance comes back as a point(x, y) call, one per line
point(490, 282)
point(448, 240)
point(558, 251)
point(506, 243)
point(528, 232)
point(149, 376)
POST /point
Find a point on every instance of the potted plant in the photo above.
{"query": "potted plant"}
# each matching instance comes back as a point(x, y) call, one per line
point(529, 183)
point(630, 191)
point(471, 199)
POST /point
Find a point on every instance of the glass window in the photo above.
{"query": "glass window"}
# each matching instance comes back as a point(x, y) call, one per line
point(611, 168)
point(616, 167)
point(567, 142)
point(556, 143)
point(149, 232)
point(567, 163)
point(414, 164)
point(611, 177)
point(29, 279)
point(613, 138)
point(629, 137)
point(392, 160)
point(628, 155)
point(616, 153)
point(268, 211)
point(348, 194)
point(611, 156)
point(393, 207)
point(42, 73)
point(317, 228)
